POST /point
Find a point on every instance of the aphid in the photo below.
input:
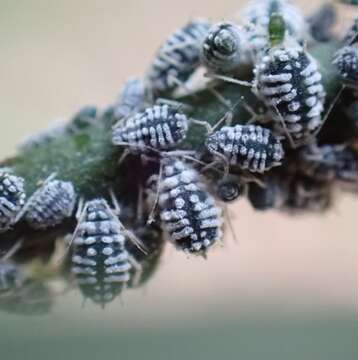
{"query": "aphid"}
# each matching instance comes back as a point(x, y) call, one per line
point(322, 21)
point(178, 57)
point(187, 210)
point(101, 263)
point(249, 147)
point(266, 197)
point(84, 118)
point(229, 190)
point(50, 204)
point(287, 79)
point(330, 162)
point(306, 194)
point(346, 61)
point(256, 18)
point(12, 198)
point(131, 99)
point(160, 127)
point(224, 47)
point(352, 33)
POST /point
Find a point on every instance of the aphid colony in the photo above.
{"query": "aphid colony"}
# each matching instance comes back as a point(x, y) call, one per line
point(277, 160)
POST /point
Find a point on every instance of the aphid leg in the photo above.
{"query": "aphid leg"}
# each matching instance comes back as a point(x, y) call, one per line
point(151, 217)
point(329, 110)
point(138, 269)
point(125, 153)
point(229, 79)
point(135, 240)
point(140, 206)
point(174, 103)
point(79, 208)
point(47, 180)
point(221, 161)
point(220, 98)
point(226, 211)
point(293, 144)
point(13, 250)
point(202, 123)
point(117, 207)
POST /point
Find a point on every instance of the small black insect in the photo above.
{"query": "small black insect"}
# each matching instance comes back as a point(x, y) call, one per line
point(160, 127)
point(224, 47)
point(267, 196)
point(330, 162)
point(346, 61)
point(187, 210)
point(12, 198)
point(50, 204)
point(131, 99)
point(250, 147)
point(101, 263)
point(178, 57)
point(307, 194)
point(287, 79)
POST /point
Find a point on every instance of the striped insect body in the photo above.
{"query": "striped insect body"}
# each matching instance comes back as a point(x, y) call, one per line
point(12, 198)
point(250, 147)
point(160, 128)
point(223, 49)
point(346, 61)
point(188, 211)
point(178, 57)
point(100, 261)
point(131, 99)
point(288, 81)
point(51, 204)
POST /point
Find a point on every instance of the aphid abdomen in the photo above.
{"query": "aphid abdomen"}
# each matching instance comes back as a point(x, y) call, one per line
point(188, 211)
point(248, 146)
point(51, 204)
point(289, 83)
point(131, 98)
point(12, 198)
point(160, 127)
point(100, 260)
point(178, 57)
point(223, 49)
point(346, 60)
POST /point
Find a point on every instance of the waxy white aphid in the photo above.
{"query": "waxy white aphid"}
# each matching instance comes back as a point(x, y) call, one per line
point(346, 61)
point(250, 147)
point(52, 203)
point(330, 162)
point(12, 198)
point(288, 81)
point(188, 211)
point(178, 57)
point(224, 48)
point(256, 18)
point(160, 127)
point(100, 261)
point(131, 99)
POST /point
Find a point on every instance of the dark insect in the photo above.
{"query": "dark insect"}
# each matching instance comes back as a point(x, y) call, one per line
point(289, 83)
point(322, 21)
point(250, 147)
point(187, 210)
point(53, 202)
point(330, 162)
point(224, 47)
point(131, 99)
point(100, 261)
point(160, 127)
point(346, 60)
point(267, 196)
point(178, 57)
point(12, 198)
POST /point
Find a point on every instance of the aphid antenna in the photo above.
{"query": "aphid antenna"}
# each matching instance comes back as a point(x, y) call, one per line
point(179, 83)
point(116, 211)
point(151, 217)
point(293, 144)
point(137, 267)
point(174, 103)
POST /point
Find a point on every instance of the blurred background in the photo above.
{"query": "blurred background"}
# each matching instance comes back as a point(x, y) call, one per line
point(288, 289)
